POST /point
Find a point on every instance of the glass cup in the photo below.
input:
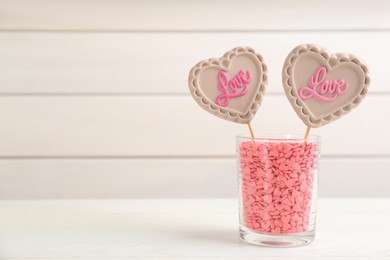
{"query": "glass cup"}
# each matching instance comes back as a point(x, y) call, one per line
point(277, 183)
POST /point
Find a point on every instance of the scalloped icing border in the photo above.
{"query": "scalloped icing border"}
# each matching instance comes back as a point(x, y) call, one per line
point(331, 59)
point(224, 62)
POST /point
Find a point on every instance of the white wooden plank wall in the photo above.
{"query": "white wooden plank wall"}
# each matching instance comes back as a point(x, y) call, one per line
point(94, 100)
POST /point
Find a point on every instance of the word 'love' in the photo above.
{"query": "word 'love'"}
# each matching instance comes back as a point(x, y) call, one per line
point(236, 87)
point(324, 90)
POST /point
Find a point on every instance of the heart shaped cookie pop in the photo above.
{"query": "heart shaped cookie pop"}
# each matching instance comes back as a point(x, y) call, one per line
point(230, 87)
point(322, 86)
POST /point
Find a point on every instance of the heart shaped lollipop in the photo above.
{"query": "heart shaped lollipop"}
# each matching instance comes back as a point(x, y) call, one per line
point(230, 87)
point(322, 86)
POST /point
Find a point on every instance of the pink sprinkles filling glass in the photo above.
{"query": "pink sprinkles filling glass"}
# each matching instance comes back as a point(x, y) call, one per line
point(277, 180)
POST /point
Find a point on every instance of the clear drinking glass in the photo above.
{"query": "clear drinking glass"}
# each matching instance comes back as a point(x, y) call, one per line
point(277, 183)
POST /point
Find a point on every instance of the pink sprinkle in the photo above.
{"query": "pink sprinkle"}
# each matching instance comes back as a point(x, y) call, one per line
point(279, 223)
point(246, 170)
point(286, 226)
point(271, 207)
point(285, 219)
point(280, 207)
point(296, 208)
point(277, 183)
point(260, 171)
point(283, 167)
point(268, 198)
point(294, 230)
point(277, 191)
point(288, 155)
point(287, 202)
point(294, 194)
point(290, 183)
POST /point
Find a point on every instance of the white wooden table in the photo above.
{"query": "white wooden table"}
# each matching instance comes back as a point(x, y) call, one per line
point(180, 229)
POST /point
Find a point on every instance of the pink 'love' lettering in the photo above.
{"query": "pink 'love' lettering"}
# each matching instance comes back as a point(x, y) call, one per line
point(324, 90)
point(236, 87)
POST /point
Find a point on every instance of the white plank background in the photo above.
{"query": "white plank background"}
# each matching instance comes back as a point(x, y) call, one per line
point(132, 62)
point(186, 16)
point(94, 99)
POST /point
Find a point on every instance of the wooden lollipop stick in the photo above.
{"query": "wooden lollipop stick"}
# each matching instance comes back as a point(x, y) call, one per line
point(307, 133)
point(251, 130)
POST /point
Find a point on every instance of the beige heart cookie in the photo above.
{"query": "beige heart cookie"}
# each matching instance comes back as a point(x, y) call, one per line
point(322, 86)
point(230, 87)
